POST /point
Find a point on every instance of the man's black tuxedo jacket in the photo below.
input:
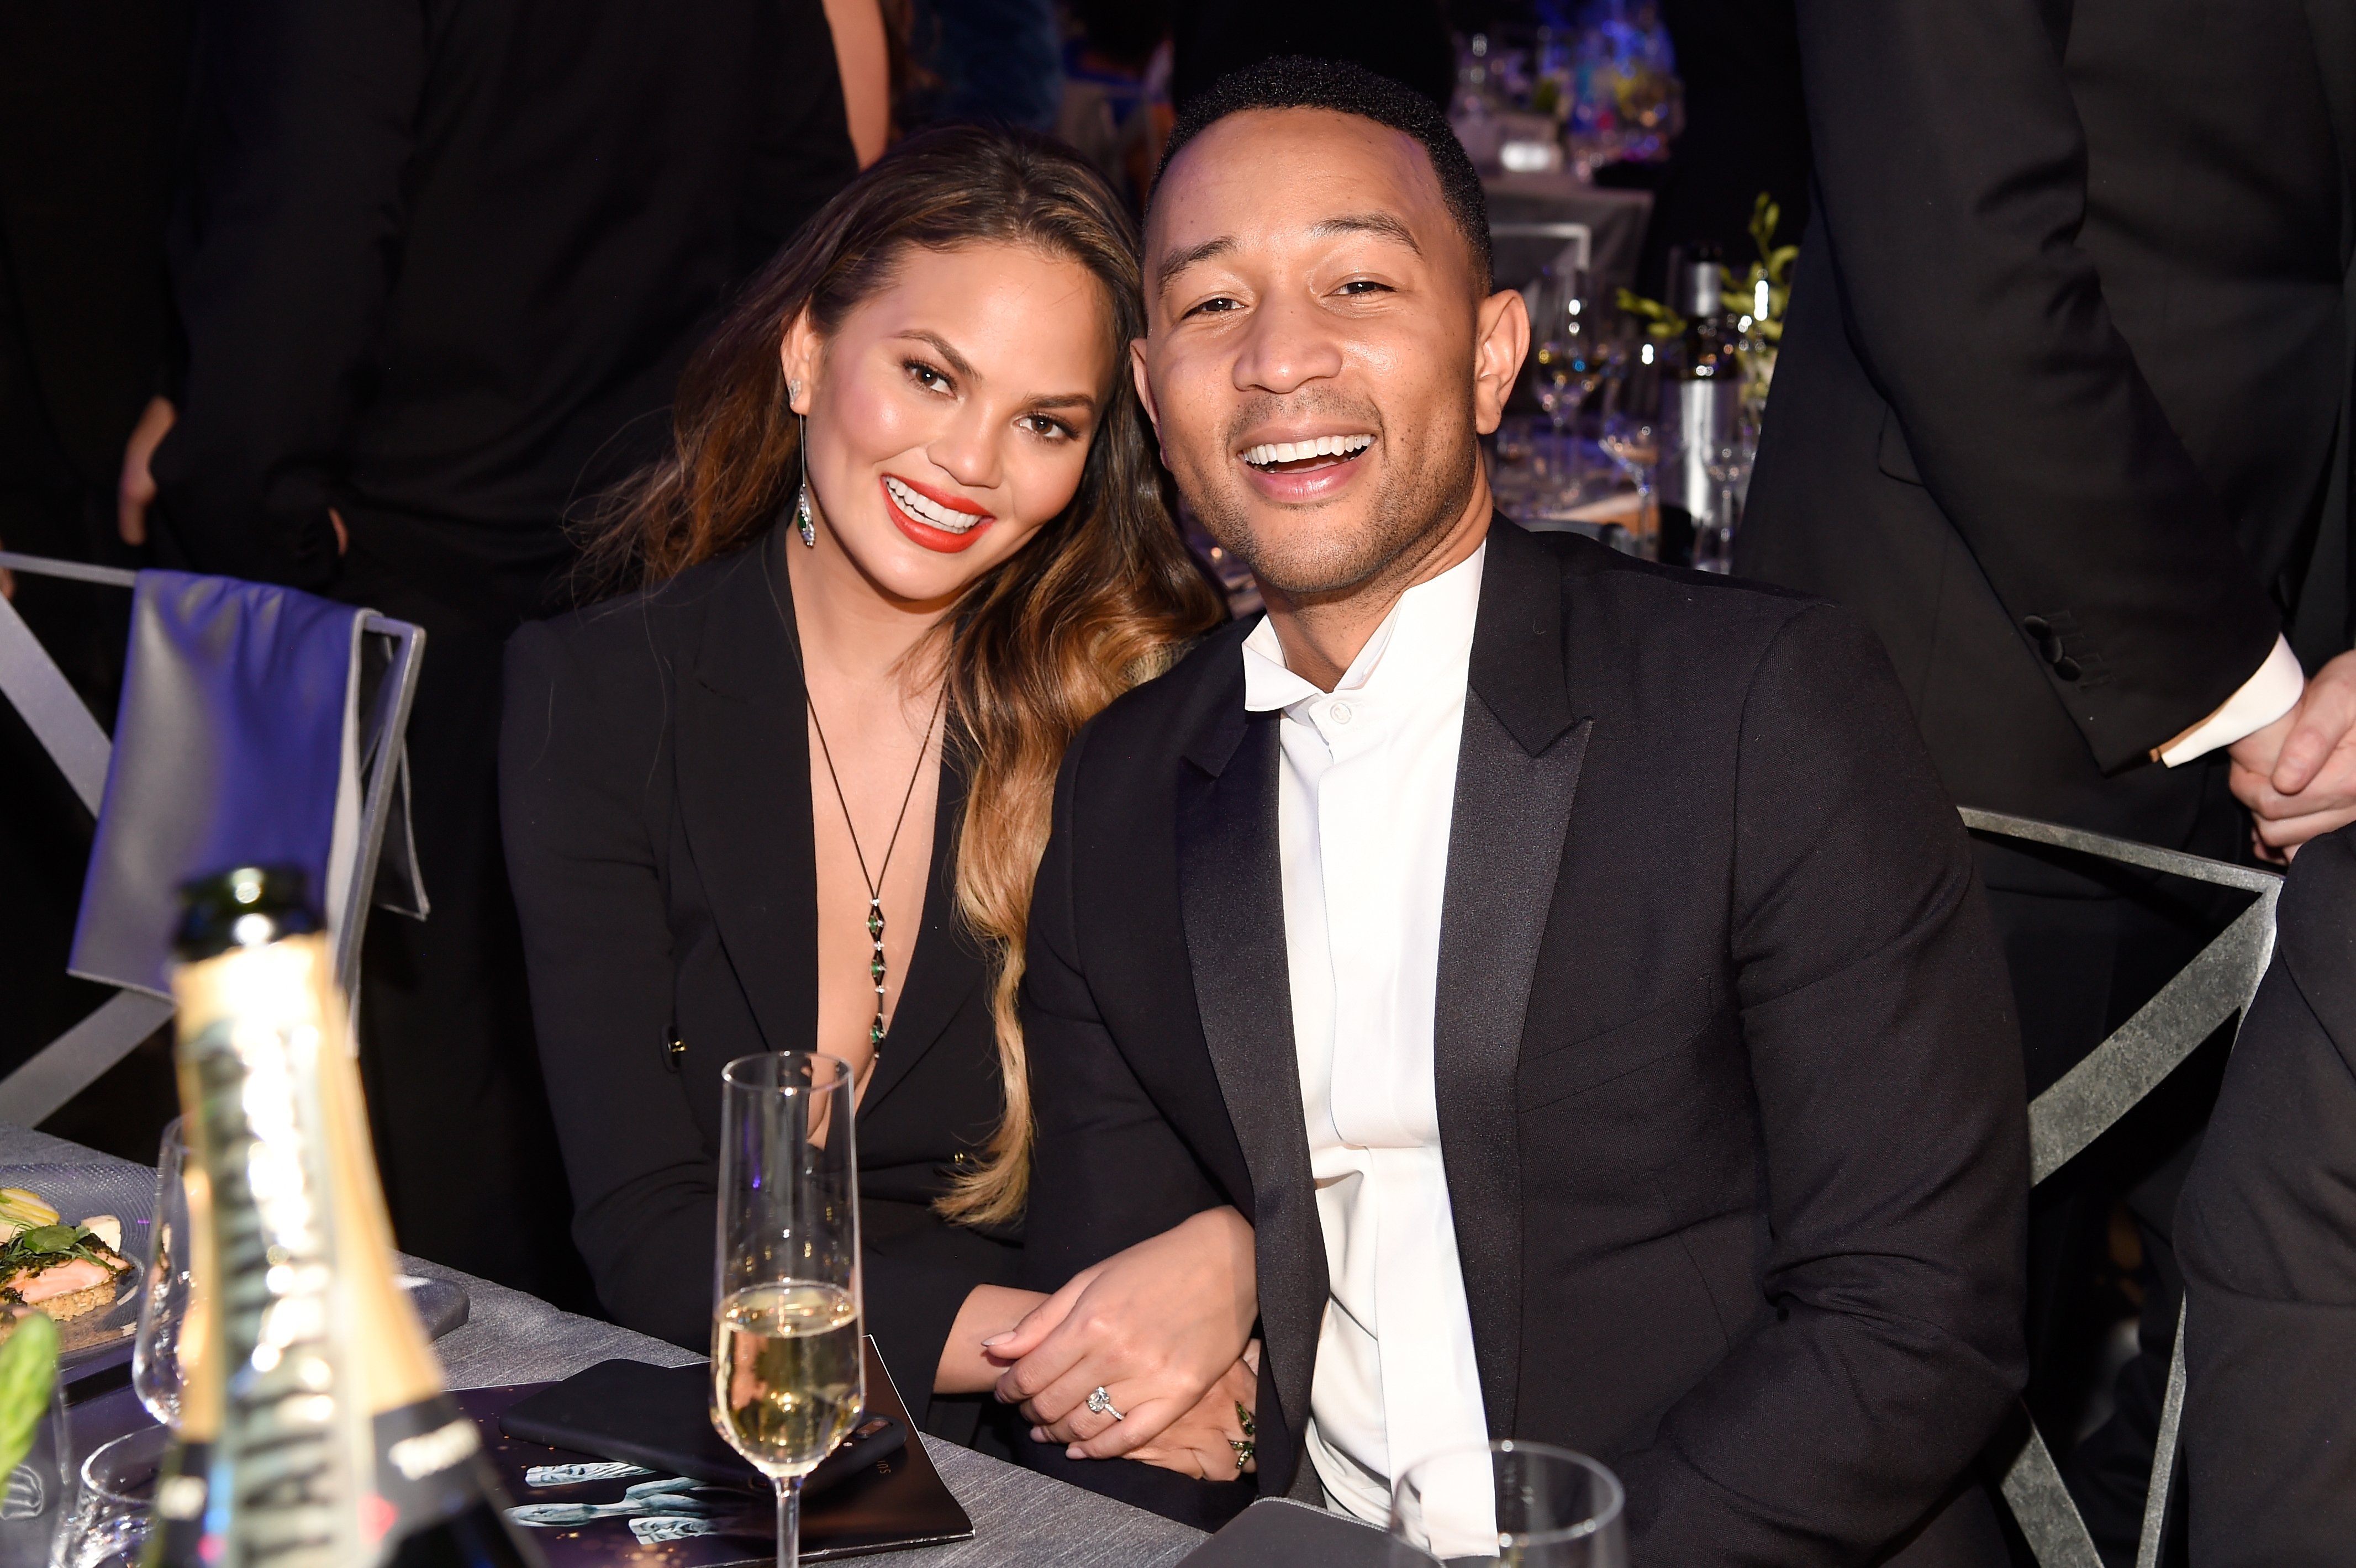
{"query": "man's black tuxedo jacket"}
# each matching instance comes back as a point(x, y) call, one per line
point(1730, 1095)
point(2063, 404)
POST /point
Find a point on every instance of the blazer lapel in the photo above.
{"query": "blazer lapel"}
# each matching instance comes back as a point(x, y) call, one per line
point(1516, 771)
point(744, 786)
point(1231, 896)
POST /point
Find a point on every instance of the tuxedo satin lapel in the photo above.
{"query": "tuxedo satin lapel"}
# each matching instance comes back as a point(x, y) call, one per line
point(946, 965)
point(744, 790)
point(1231, 894)
point(1516, 771)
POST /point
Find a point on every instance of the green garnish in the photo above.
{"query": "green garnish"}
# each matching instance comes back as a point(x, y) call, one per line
point(29, 1375)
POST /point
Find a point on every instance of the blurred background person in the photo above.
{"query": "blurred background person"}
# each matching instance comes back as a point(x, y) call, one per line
point(438, 269)
point(2267, 1230)
point(1116, 111)
point(89, 101)
point(2062, 409)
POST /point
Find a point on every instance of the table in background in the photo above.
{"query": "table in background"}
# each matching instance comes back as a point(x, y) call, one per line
point(1615, 220)
point(1018, 1517)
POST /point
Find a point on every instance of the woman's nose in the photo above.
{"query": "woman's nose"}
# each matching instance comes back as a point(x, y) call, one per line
point(968, 451)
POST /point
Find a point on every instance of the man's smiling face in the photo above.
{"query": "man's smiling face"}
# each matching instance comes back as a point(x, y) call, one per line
point(1318, 365)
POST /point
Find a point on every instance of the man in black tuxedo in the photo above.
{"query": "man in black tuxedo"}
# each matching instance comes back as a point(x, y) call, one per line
point(1572, 966)
point(2062, 410)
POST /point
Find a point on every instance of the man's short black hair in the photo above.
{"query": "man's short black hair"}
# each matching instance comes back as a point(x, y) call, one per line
point(1298, 82)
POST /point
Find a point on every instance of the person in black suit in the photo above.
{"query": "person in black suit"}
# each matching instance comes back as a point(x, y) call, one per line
point(1571, 965)
point(2062, 410)
point(438, 267)
point(2266, 1232)
point(788, 794)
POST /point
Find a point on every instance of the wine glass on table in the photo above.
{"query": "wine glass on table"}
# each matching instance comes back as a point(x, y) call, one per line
point(1633, 443)
point(787, 1376)
point(1729, 461)
point(1528, 1504)
point(171, 1280)
point(1572, 353)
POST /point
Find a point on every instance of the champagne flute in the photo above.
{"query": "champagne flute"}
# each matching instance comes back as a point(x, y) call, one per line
point(1529, 1505)
point(164, 1311)
point(788, 1374)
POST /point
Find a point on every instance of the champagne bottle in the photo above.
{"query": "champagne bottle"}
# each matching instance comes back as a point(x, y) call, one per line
point(314, 1432)
point(1700, 388)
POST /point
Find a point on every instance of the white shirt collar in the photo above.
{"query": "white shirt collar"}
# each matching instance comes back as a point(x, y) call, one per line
point(1431, 627)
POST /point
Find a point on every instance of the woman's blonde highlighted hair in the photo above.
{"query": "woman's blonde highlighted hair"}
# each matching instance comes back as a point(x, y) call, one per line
point(1095, 602)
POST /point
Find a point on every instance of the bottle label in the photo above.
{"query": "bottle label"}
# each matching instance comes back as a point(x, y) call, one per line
point(428, 1471)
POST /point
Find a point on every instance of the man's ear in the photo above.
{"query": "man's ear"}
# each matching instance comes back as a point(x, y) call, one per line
point(799, 356)
point(1504, 323)
point(1144, 384)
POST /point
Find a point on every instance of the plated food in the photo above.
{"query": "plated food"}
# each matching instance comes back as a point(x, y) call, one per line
point(63, 1270)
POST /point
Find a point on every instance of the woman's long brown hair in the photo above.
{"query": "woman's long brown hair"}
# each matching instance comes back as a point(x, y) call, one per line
point(1096, 601)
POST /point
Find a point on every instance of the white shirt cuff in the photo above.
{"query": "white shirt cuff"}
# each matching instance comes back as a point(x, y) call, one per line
point(2264, 697)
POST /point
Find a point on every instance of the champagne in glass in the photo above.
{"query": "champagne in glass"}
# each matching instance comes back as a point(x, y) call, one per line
point(787, 1376)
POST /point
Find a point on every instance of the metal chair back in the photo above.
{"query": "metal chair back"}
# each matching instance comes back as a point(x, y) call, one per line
point(2216, 985)
point(56, 714)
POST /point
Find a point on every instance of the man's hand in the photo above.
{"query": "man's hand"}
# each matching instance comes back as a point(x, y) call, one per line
point(1154, 1326)
point(1203, 1441)
point(2297, 775)
point(135, 492)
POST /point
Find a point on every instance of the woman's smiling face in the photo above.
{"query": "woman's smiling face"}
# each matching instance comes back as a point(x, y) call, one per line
point(949, 415)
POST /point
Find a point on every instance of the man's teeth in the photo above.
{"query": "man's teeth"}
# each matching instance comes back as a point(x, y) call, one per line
point(1270, 451)
point(930, 513)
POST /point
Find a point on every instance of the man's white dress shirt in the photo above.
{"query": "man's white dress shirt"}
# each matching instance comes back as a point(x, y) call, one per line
point(1364, 799)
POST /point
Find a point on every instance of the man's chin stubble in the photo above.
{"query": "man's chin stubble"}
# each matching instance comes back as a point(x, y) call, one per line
point(1312, 567)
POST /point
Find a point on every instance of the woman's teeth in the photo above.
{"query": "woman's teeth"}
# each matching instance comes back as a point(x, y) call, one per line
point(1274, 452)
point(932, 514)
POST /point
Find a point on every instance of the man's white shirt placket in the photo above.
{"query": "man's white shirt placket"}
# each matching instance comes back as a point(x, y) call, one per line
point(1365, 794)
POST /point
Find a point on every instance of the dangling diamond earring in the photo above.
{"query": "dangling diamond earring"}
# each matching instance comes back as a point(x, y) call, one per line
point(803, 521)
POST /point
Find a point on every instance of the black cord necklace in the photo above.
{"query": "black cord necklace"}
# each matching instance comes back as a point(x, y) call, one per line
point(875, 965)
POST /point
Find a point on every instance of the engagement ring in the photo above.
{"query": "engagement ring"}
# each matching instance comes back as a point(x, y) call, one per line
point(1102, 1403)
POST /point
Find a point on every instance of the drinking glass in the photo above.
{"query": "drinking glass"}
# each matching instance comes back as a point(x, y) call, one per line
point(114, 1508)
point(1634, 443)
point(1729, 468)
point(1527, 1504)
point(164, 1311)
point(787, 1376)
point(1571, 355)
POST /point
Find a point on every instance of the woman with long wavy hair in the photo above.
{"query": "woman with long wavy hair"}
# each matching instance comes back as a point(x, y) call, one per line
point(787, 788)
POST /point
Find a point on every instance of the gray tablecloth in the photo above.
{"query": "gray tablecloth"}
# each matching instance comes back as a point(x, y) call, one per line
point(1019, 1517)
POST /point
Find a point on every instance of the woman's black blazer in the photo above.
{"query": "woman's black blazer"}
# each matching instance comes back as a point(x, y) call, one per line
point(654, 783)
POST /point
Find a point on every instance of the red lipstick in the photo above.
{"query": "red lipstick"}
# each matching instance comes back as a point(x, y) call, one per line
point(939, 540)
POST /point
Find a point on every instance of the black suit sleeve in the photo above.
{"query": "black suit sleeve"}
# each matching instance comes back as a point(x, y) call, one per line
point(2266, 1233)
point(302, 117)
point(574, 757)
point(1894, 1135)
point(1951, 177)
point(1107, 1169)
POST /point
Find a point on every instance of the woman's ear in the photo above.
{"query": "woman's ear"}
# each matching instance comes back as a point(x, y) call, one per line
point(799, 355)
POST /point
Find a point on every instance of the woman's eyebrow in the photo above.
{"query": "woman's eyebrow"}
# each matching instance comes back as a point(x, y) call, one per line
point(940, 346)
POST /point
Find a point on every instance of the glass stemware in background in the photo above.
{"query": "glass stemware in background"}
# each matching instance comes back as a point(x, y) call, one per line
point(1730, 471)
point(115, 1507)
point(1631, 442)
point(1529, 1504)
point(788, 1376)
point(164, 1311)
point(1572, 353)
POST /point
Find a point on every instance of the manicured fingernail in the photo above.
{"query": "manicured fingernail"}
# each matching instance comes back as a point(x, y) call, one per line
point(998, 1339)
point(1074, 1453)
point(1038, 1434)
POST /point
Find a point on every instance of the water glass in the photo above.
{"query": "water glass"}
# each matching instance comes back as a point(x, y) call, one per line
point(164, 1311)
point(789, 1376)
point(114, 1508)
point(1571, 355)
point(1529, 1505)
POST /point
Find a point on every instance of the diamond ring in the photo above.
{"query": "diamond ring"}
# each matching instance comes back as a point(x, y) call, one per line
point(1102, 1403)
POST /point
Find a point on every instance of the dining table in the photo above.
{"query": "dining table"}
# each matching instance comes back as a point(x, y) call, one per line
point(509, 1338)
